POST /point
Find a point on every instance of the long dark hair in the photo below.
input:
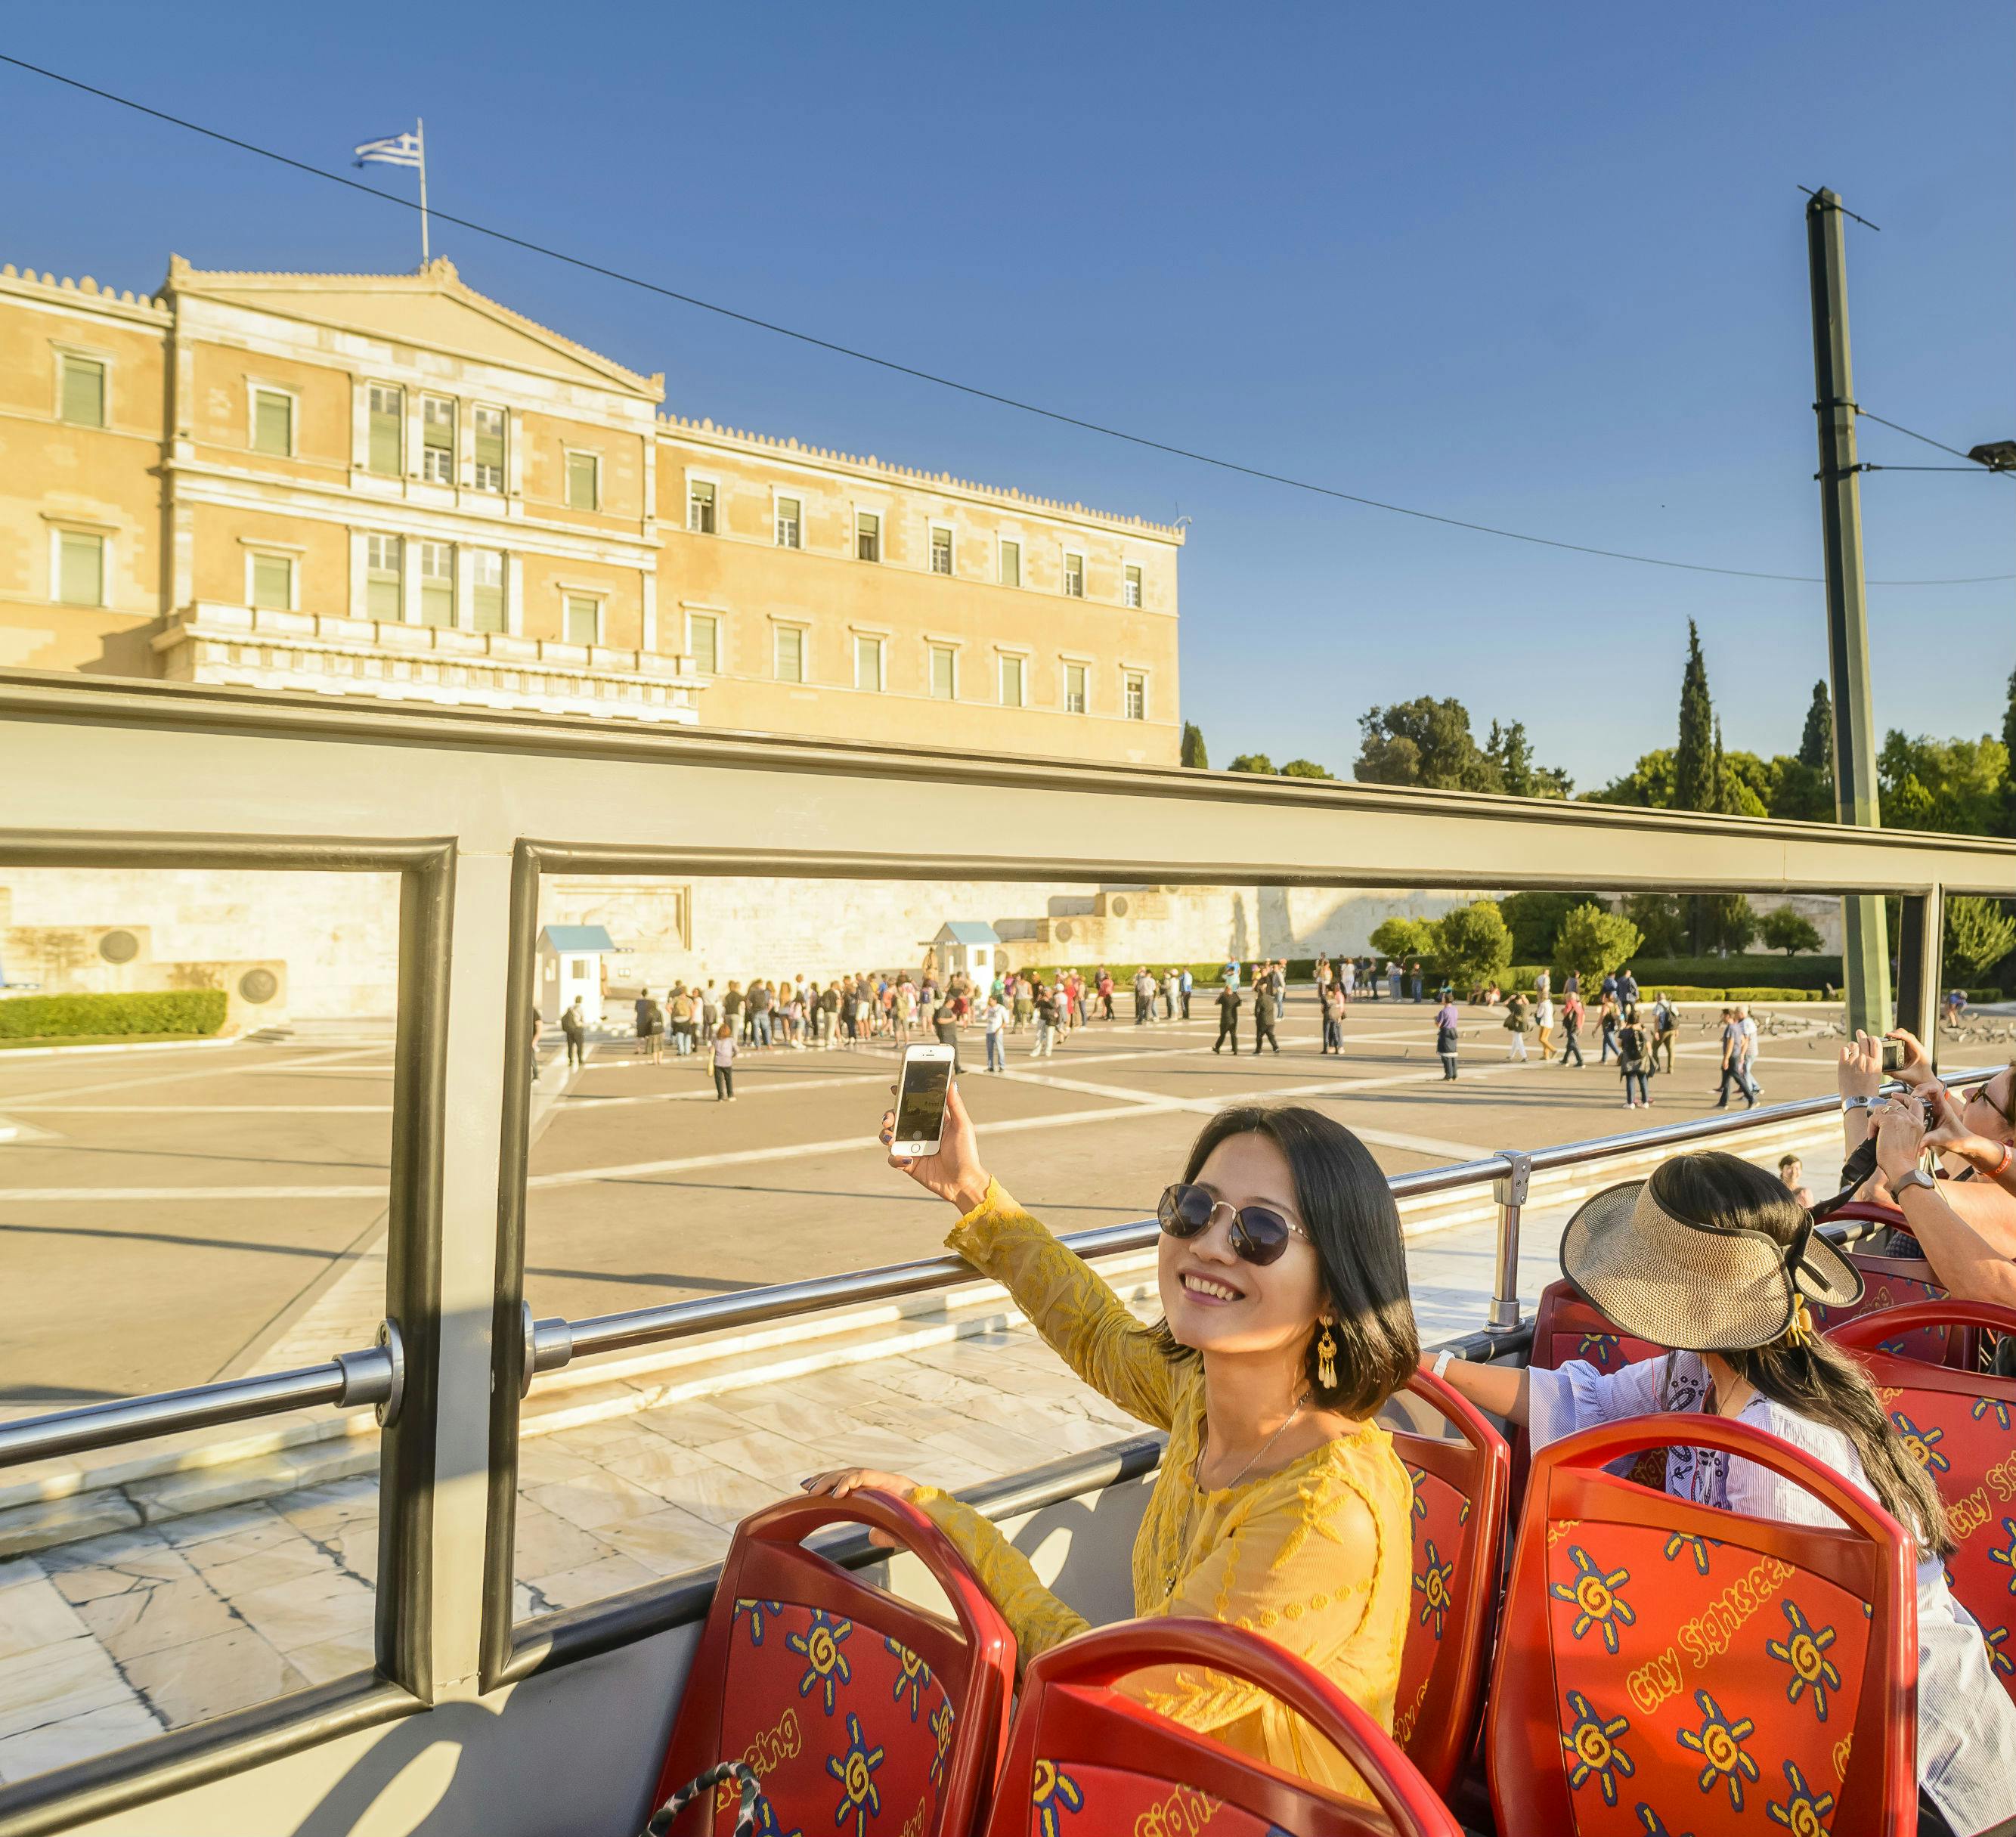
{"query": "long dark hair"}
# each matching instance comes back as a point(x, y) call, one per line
point(1810, 1376)
point(1354, 1228)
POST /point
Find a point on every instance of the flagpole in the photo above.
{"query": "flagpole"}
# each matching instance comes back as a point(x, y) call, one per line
point(420, 135)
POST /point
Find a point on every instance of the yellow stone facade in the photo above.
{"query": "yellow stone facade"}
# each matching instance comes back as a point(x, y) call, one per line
point(392, 486)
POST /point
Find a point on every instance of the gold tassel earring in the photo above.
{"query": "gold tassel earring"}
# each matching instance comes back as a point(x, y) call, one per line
point(1326, 1360)
point(1801, 1331)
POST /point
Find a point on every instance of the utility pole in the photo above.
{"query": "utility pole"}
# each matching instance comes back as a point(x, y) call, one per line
point(1866, 968)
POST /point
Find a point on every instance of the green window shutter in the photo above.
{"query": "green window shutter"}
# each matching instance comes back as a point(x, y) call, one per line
point(387, 431)
point(1011, 564)
point(706, 643)
point(81, 560)
point(272, 582)
point(580, 481)
point(489, 449)
point(942, 666)
point(791, 654)
point(272, 423)
point(581, 619)
point(83, 392)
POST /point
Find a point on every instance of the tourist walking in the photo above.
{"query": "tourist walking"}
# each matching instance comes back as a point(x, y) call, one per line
point(724, 1064)
point(1228, 1018)
point(1627, 989)
point(1044, 1003)
point(1571, 1018)
point(1414, 980)
point(1446, 1017)
point(682, 1001)
point(1183, 989)
point(1665, 1024)
point(643, 1021)
point(1517, 1021)
point(1749, 1027)
point(1332, 1018)
point(654, 1024)
point(1732, 1063)
point(1394, 972)
point(1606, 1022)
point(994, 1019)
point(1263, 1019)
point(575, 1027)
point(1634, 1061)
point(944, 1023)
point(1543, 1023)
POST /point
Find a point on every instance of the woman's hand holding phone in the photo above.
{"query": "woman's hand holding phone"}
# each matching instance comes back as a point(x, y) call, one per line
point(955, 1172)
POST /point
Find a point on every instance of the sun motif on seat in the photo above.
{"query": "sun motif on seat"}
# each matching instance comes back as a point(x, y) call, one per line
point(2007, 1555)
point(1055, 1795)
point(1596, 1597)
point(1720, 1742)
point(1804, 1648)
point(914, 1676)
point(1415, 1476)
point(1591, 1744)
point(1696, 1547)
point(860, 1798)
point(1432, 1583)
point(942, 1720)
point(2000, 1406)
point(1598, 1349)
point(757, 1611)
point(1653, 1825)
point(766, 1820)
point(1804, 1811)
point(826, 1665)
point(1924, 1444)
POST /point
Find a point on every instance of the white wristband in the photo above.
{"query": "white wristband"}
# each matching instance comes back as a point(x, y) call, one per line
point(1443, 1360)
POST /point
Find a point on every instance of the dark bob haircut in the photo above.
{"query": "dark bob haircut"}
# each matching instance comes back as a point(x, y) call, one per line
point(1354, 1227)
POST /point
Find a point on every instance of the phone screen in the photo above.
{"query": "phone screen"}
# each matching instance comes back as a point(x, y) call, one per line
point(920, 1105)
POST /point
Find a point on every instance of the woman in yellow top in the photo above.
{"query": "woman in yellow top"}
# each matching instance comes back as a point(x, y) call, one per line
point(1280, 1506)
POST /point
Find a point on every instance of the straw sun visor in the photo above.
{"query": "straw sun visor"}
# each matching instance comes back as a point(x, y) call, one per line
point(1695, 1287)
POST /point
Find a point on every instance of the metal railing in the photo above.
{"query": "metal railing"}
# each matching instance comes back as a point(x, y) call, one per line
point(375, 1378)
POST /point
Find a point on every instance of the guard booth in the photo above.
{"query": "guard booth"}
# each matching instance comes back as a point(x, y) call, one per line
point(970, 946)
point(570, 960)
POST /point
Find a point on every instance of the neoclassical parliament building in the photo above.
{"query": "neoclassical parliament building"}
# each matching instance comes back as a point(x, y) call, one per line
point(390, 485)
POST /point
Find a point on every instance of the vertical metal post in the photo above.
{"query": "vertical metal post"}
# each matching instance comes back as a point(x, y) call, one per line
point(1866, 968)
point(1510, 1194)
point(1920, 930)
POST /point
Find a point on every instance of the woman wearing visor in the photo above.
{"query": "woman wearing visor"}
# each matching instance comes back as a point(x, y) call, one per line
point(1714, 1255)
point(1280, 1506)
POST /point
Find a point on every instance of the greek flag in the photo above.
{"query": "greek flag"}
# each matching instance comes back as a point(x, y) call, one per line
point(395, 149)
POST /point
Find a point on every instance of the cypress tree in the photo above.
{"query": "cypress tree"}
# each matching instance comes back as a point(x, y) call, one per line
point(1697, 783)
point(1192, 754)
point(1816, 743)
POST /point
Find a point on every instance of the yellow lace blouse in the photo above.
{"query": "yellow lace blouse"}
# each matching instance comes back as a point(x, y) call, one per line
point(1316, 1555)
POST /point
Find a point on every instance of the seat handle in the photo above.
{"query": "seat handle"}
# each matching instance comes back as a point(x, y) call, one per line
point(1865, 1331)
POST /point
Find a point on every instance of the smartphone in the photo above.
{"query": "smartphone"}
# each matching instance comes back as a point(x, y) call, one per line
point(1893, 1055)
point(920, 1099)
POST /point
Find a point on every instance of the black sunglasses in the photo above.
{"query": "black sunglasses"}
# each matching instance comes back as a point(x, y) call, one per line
point(1259, 1233)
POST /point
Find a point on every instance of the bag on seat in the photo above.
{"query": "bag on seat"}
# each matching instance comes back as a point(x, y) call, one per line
point(1085, 1761)
point(858, 1711)
point(1668, 1667)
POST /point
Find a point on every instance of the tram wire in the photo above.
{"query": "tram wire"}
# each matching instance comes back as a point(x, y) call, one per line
point(969, 389)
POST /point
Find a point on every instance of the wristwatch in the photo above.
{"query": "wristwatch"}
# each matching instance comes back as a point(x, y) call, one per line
point(1443, 1359)
point(1917, 1177)
point(1852, 1104)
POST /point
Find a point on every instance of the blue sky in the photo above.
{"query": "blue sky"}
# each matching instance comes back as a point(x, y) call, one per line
point(1543, 267)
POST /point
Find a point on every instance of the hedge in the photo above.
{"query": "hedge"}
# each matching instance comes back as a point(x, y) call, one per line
point(61, 1017)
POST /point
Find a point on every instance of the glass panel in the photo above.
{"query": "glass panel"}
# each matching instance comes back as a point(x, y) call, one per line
point(1133, 595)
point(1137, 698)
point(83, 392)
point(486, 574)
point(80, 567)
point(272, 582)
point(941, 551)
point(867, 663)
point(791, 654)
point(1074, 576)
point(272, 423)
point(488, 428)
point(172, 1582)
point(704, 640)
point(384, 565)
point(436, 583)
point(700, 508)
point(944, 672)
point(787, 523)
point(583, 481)
point(1073, 688)
point(1011, 682)
point(437, 438)
point(868, 537)
point(583, 617)
point(1011, 564)
point(388, 428)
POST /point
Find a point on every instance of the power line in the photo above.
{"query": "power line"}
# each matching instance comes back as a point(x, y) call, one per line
point(1974, 465)
point(969, 389)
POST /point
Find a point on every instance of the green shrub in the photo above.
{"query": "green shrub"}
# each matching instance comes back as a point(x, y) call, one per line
point(1593, 942)
point(60, 1017)
point(1756, 971)
point(1472, 944)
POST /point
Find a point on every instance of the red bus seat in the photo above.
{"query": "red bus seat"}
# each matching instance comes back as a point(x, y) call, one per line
point(856, 1710)
point(1894, 1282)
point(1084, 1761)
point(1666, 1666)
point(1962, 1427)
point(1460, 1489)
point(1567, 1328)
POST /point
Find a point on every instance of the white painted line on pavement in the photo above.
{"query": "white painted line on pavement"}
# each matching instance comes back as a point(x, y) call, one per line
point(50, 1195)
point(247, 1070)
point(205, 1109)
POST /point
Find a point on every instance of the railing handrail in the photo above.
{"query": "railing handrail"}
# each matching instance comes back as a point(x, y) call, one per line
point(374, 1377)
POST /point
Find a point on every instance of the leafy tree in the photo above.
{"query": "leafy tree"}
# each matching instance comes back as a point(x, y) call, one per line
point(1695, 783)
point(1509, 750)
point(1802, 792)
point(1192, 754)
point(1749, 784)
point(1257, 762)
point(1472, 944)
point(1404, 937)
point(1648, 785)
point(1593, 941)
point(1979, 933)
point(1422, 742)
point(1533, 920)
point(1816, 742)
point(1728, 922)
point(2008, 825)
point(1305, 769)
point(1789, 932)
point(1952, 785)
point(1662, 918)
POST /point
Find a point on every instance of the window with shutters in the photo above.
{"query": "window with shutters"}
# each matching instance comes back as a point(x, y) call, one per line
point(584, 619)
point(273, 423)
point(790, 523)
point(437, 583)
point(1074, 680)
point(867, 661)
point(1136, 696)
point(1011, 682)
point(272, 582)
point(80, 568)
point(584, 481)
point(701, 493)
point(386, 410)
point(944, 672)
point(1073, 574)
point(1011, 564)
point(486, 589)
point(941, 549)
point(790, 653)
point(384, 578)
point(867, 536)
point(437, 439)
point(81, 391)
point(703, 642)
point(487, 426)
point(1132, 593)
